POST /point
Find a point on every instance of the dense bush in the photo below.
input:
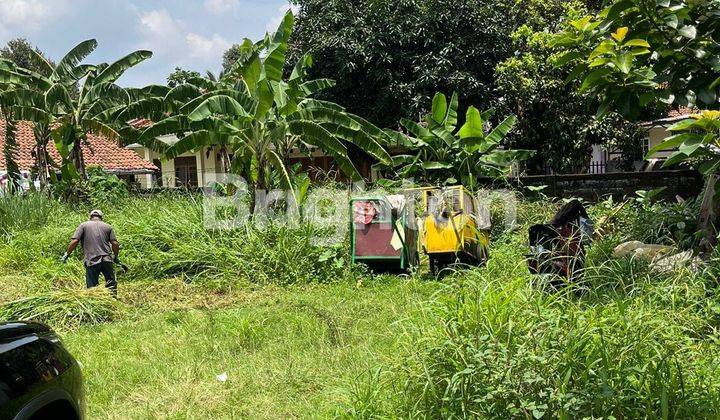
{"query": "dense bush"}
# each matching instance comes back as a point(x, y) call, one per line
point(104, 188)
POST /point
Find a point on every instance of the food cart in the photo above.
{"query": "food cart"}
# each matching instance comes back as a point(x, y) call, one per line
point(454, 228)
point(383, 235)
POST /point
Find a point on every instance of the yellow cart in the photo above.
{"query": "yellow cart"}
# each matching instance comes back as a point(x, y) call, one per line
point(453, 229)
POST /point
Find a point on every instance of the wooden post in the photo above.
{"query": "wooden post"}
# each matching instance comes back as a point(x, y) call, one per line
point(708, 215)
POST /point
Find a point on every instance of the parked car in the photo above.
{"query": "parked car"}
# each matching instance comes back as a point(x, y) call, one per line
point(39, 379)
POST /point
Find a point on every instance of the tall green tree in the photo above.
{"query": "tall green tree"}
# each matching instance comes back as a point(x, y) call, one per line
point(640, 53)
point(258, 116)
point(389, 57)
point(553, 117)
point(180, 76)
point(21, 52)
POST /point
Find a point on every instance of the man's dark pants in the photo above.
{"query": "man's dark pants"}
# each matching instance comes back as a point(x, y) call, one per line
point(92, 275)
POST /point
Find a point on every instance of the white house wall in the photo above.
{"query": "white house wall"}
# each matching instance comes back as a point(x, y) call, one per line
point(207, 167)
point(657, 135)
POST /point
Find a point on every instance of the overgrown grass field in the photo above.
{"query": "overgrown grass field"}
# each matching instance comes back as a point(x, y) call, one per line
point(263, 323)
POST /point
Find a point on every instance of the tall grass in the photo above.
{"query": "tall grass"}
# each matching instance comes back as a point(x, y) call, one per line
point(164, 237)
point(634, 343)
point(506, 350)
point(20, 213)
point(490, 343)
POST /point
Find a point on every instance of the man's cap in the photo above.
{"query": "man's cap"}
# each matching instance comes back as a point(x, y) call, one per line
point(96, 213)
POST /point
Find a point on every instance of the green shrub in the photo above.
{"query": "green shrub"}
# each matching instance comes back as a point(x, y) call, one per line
point(104, 188)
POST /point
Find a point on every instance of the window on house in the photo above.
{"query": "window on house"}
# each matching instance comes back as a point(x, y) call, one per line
point(186, 172)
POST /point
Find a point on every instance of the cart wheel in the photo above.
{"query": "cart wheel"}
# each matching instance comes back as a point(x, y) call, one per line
point(438, 267)
point(434, 266)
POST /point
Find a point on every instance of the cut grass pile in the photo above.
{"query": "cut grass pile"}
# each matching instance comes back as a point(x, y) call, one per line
point(301, 334)
point(66, 308)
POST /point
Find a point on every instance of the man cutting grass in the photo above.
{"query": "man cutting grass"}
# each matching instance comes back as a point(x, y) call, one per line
point(100, 248)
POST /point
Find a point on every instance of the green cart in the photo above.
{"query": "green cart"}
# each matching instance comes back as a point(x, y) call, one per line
point(382, 231)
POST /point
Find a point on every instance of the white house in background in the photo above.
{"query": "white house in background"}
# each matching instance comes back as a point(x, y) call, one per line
point(187, 170)
point(603, 160)
point(657, 132)
point(200, 168)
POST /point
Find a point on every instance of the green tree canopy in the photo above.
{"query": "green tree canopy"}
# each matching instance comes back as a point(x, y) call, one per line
point(637, 53)
point(389, 57)
point(22, 53)
point(553, 117)
point(180, 76)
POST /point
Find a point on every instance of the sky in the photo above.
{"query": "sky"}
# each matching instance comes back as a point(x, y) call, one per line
point(192, 34)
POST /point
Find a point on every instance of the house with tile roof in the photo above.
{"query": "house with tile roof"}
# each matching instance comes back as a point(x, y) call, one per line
point(202, 167)
point(99, 152)
point(657, 131)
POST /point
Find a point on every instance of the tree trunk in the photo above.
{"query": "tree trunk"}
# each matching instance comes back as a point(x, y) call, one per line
point(10, 152)
point(76, 156)
point(42, 138)
point(707, 219)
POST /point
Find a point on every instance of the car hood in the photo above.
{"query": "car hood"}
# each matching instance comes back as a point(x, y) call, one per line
point(15, 329)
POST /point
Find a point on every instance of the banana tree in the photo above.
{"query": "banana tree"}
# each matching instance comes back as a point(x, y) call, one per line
point(66, 118)
point(10, 146)
point(258, 117)
point(443, 153)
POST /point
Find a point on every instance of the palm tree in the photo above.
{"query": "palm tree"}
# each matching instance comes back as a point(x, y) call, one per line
point(256, 115)
point(69, 118)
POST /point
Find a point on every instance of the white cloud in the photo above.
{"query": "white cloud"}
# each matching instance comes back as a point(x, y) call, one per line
point(275, 21)
point(30, 14)
point(217, 7)
point(171, 42)
point(209, 49)
point(162, 34)
point(159, 23)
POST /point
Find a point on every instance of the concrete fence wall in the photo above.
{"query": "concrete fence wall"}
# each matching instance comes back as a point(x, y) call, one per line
point(594, 187)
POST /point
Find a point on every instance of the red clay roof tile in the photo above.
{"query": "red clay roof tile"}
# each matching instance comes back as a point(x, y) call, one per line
point(100, 152)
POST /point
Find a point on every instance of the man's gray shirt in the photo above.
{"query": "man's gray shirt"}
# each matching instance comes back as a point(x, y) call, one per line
point(95, 237)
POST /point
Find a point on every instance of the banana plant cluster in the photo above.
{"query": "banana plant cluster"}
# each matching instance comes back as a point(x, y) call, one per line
point(73, 101)
point(256, 116)
point(444, 153)
point(10, 146)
